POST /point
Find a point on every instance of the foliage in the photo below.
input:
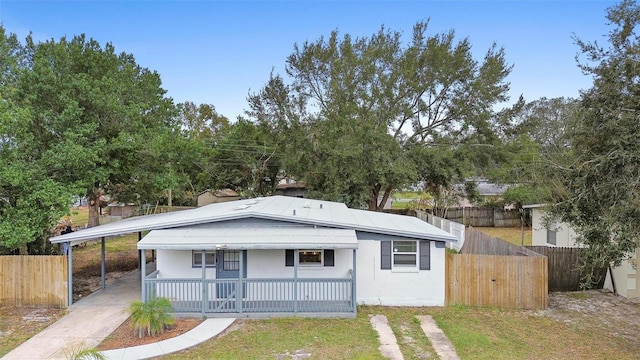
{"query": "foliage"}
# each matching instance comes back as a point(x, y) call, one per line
point(150, 318)
point(600, 181)
point(358, 108)
point(85, 354)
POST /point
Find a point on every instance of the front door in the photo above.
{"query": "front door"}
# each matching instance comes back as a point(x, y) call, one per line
point(228, 267)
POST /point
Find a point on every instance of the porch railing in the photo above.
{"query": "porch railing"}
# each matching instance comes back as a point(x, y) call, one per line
point(306, 295)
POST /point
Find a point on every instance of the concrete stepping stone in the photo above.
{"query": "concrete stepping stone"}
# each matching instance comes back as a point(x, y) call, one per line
point(439, 340)
point(388, 343)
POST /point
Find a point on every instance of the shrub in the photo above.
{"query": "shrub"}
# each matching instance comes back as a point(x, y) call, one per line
point(151, 317)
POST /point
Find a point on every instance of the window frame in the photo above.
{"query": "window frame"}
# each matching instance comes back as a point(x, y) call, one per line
point(196, 258)
point(415, 253)
point(552, 234)
point(311, 264)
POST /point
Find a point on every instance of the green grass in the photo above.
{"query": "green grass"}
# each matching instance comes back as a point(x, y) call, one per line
point(512, 235)
point(476, 333)
point(274, 338)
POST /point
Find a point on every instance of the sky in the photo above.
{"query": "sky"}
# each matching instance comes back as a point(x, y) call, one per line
point(217, 52)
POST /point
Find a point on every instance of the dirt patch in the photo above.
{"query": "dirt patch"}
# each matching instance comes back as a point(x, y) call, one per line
point(124, 336)
point(611, 314)
point(17, 324)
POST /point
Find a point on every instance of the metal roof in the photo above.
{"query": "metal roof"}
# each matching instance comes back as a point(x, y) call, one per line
point(249, 238)
point(289, 209)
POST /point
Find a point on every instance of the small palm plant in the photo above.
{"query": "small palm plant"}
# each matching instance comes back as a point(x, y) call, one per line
point(150, 318)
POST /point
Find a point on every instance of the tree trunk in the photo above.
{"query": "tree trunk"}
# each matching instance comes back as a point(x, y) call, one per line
point(385, 197)
point(94, 208)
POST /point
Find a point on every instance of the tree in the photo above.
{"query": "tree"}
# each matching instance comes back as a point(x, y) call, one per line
point(246, 160)
point(367, 102)
point(601, 183)
point(94, 115)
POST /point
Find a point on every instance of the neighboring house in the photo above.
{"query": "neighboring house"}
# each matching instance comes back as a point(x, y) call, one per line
point(555, 233)
point(289, 187)
point(217, 196)
point(284, 255)
point(487, 191)
point(546, 232)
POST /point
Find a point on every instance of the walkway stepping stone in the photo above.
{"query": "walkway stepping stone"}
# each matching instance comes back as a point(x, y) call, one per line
point(388, 343)
point(439, 340)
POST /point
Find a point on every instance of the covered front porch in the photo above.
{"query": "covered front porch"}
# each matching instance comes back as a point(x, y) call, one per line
point(268, 278)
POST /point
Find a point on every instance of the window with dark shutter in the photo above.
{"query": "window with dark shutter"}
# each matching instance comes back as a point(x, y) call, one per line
point(288, 257)
point(328, 258)
point(385, 255)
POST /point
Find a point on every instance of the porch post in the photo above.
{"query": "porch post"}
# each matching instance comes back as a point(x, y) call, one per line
point(239, 290)
point(353, 282)
point(295, 280)
point(70, 273)
point(103, 266)
point(204, 283)
point(143, 272)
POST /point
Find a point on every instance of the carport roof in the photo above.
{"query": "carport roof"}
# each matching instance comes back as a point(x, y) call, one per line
point(279, 208)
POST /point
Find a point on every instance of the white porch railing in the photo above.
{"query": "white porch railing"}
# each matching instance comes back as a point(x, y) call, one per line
point(317, 295)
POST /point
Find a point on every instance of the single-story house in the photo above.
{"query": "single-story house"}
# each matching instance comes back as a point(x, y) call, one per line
point(286, 255)
point(217, 196)
point(289, 187)
point(556, 233)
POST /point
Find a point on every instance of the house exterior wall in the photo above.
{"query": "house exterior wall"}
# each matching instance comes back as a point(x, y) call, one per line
point(565, 236)
point(398, 288)
point(627, 281)
point(625, 276)
point(373, 285)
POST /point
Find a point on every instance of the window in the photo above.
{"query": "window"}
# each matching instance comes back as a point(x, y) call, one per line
point(231, 260)
point(310, 257)
point(209, 258)
point(405, 253)
point(551, 233)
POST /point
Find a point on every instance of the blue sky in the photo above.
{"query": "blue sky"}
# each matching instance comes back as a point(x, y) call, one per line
point(217, 51)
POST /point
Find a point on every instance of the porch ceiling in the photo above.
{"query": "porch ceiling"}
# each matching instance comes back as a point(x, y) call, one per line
point(250, 238)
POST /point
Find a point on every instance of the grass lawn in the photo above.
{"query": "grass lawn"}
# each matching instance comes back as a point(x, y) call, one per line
point(512, 235)
point(477, 333)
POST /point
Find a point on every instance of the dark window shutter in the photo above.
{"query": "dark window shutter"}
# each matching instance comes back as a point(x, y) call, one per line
point(385, 255)
point(288, 257)
point(425, 258)
point(328, 258)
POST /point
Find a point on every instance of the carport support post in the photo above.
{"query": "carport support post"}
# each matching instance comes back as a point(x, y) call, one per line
point(143, 274)
point(103, 266)
point(240, 289)
point(140, 251)
point(70, 272)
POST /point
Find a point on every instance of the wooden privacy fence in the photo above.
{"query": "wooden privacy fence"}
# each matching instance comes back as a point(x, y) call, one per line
point(34, 281)
point(564, 268)
point(493, 272)
point(491, 280)
point(484, 216)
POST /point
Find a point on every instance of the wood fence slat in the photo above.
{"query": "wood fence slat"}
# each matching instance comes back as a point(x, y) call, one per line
point(494, 280)
point(34, 280)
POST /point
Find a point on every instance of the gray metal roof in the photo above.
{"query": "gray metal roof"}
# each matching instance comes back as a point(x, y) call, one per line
point(249, 238)
point(281, 208)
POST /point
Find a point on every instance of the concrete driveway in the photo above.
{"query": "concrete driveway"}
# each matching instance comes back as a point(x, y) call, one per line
point(87, 323)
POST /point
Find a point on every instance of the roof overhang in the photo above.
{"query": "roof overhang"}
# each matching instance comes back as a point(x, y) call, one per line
point(249, 238)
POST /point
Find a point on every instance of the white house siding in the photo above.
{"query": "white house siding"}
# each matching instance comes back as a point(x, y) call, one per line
point(565, 236)
point(626, 277)
point(174, 264)
point(261, 264)
point(392, 288)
